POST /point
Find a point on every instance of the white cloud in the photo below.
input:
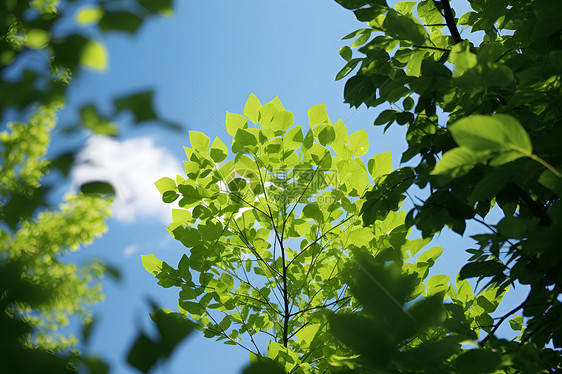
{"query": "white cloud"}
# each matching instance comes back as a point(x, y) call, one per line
point(130, 249)
point(131, 166)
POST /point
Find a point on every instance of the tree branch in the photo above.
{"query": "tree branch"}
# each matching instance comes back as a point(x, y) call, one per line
point(450, 20)
point(503, 318)
point(433, 48)
point(320, 306)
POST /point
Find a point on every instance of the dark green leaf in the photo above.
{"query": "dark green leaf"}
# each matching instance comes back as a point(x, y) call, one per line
point(97, 188)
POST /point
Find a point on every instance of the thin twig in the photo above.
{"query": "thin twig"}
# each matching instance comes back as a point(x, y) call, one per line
point(503, 318)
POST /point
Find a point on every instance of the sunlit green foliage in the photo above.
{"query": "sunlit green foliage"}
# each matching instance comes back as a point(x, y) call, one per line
point(487, 105)
point(26, 28)
point(38, 240)
point(274, 240)
point(41, 290)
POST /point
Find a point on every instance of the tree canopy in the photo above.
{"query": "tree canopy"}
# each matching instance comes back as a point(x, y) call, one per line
point(483, 126)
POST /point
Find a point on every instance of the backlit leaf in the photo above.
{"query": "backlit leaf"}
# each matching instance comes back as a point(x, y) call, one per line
point(252, 108)
point(94, 56)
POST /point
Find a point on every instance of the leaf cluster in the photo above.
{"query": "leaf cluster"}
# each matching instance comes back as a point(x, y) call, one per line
point(498, 149)
point(275, 248)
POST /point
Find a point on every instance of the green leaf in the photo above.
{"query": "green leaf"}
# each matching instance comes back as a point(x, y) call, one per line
point(92, 119)
point(429, 256)
point(294, 138)
point(353, 34)
point(37, 39)
point(94, 56)
point(170, 196)
point(157, 6)
point(218, 150)
point(121, 21)
point(140, 104)
point(89, 14)
point(437, 283)
point(151, 264)
point(166, 184)
point(313, 211)
point(276, 102)
point(462, 57)
point(346, 53)
point(246, 137)
point(380, 164)
point(234, 122)
point(408, 103)
point(282, 120)
point(362, 39)
point(172, 329)
point(252, 108)
point(327, 135)
point(481, 269)
point(386, 116)
point(181, 216)
point(359, 143)
point(458, 161)
point(264, 365)
point(478, 361)
point(317, 115)
point(199, 141)
point(97, 188)
point(348, 68)
point(498, 132)
point(516, 323)
point(404, 28)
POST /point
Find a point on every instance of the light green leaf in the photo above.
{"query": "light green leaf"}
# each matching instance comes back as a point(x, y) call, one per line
point(353, 34)
point(283, 355)
point(277, 103)
point(458, 161)
point(282, 120)
point(37, 39)
point(181, 216)
point(317, 115)
point(359, 143)
point(199, 141)
point(498, 132)
point(219, 151)
point(166, 184)
point(405, 7)
point(151, 264)
point(437, 283)
point(306, 334)
point(294, 138)
point(252, 108)
point(341, 132)
point(380, 164)
point(266, 113)
point(94, 56)
point(429, 256)
point(361, 236)
point(234, 122)
point(362, 39)
point(89, 14)
point(462, 57)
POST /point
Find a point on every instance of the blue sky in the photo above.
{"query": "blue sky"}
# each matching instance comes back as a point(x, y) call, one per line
point(203, 61)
